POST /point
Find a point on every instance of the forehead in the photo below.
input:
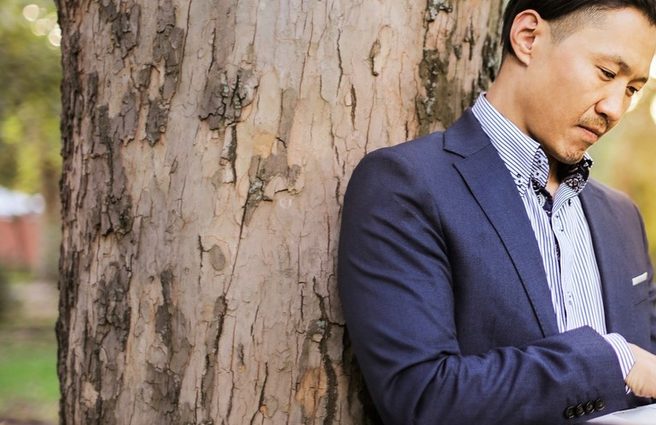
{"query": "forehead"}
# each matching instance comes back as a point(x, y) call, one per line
point(624, 35)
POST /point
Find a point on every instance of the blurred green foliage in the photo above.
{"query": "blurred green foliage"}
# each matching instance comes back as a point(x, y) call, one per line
point(30, 74)
point(29, 387)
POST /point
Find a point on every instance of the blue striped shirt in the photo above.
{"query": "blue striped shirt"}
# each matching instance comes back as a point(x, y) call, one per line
point(563, 236)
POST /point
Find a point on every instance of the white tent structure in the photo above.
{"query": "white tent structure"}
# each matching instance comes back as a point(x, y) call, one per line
point(14, 204)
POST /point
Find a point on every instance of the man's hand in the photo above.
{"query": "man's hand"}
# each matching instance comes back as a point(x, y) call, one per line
point(642, 377)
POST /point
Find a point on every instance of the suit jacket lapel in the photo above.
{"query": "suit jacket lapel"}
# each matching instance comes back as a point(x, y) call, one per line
point(604, 228)
point(503, 207)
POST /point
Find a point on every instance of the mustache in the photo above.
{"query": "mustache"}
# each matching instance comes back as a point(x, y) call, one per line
point(598, 123)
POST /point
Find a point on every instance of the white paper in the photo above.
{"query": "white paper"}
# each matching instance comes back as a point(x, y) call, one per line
point(643, 415)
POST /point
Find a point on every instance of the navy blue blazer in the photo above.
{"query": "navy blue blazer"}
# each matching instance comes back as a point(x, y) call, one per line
point(446, 299)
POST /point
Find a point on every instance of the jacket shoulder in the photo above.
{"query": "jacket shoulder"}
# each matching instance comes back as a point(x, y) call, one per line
point(615, 196)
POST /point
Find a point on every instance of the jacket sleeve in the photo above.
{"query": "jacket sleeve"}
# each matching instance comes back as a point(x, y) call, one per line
point(396, 288)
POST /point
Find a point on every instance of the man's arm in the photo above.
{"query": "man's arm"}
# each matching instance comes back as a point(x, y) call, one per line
point(396, 288)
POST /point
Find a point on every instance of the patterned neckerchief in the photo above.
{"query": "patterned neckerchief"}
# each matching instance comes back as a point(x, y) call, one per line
point(574, 176)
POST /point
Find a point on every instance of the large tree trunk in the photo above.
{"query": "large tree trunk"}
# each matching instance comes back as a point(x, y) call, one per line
point(207, 147)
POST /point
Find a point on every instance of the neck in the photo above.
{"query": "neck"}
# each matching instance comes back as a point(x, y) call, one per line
point(554, 180)
point(505, 95)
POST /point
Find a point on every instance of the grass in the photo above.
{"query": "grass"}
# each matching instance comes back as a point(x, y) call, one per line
point(28, 378)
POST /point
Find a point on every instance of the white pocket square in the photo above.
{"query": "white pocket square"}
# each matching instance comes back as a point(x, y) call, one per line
point(639, 279)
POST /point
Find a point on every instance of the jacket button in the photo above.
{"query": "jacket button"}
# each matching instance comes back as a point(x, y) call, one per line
point(569, 412)
point(589, 407)
point(579, 410)
point(599, 404)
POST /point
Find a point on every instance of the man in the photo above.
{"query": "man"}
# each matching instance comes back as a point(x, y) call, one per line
point(484, 278)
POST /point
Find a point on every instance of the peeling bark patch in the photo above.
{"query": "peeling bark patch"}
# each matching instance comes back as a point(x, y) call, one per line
point(311, 390)
point(165, 391)
point(73, 102)
point(168, 50)
point(225, 95)
point(168, 46)
point(163, 316)
point(331, 376)
point(434, 7)
point(491, 61)
point(91, 97)
point(124, 126)
point(357, 393)
point(143, 77)
point(255, 191)
point(217, 259)
point(124, 25)
point(289, 101)
point(165, 380)
point(91, 374)
point(228, 156)
point(158, 115)
point(104, 346)
point(373, 55)
point(115, 205)
point(212, 348)
point(262, 172)
point(435, 106)
point(114, 307)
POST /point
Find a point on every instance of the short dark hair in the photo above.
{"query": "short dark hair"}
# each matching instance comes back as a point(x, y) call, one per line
point(551, 10)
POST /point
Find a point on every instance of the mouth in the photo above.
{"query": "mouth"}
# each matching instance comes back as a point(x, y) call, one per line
point(592, 134)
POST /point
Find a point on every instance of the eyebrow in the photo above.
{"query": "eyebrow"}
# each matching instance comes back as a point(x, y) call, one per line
point(626, 69)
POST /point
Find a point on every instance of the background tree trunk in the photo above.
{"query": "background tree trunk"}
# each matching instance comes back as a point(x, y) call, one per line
point(207, 147)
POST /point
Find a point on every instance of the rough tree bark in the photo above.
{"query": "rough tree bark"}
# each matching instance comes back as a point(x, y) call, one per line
point(207, 147)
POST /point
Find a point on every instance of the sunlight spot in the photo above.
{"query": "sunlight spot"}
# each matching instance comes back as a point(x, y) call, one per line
point(54, 36)
point(653, 109)
point(42, 26)
point(652, 71)
point(31, 12)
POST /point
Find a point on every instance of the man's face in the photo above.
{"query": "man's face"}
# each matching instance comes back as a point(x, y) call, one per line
point(580, 87)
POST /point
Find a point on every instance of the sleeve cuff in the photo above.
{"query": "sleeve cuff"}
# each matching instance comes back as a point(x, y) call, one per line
point(623, 353)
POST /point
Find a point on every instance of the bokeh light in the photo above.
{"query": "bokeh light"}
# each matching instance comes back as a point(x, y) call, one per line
point(31, 12)
point(43, 24)
point(54, 36)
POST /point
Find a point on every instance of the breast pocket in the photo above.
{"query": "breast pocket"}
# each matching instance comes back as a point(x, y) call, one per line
point(640, 288)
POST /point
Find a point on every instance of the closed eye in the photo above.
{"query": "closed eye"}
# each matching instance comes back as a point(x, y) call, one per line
point(608, 75)
point(632, 90)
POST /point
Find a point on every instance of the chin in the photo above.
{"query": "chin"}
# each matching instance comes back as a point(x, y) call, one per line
point(571, 158)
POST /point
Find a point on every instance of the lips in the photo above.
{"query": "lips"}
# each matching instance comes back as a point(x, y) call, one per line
point(597, 131)
point(591, 134)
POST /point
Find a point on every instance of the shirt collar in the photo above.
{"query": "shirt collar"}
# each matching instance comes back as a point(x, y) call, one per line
point(522, 155)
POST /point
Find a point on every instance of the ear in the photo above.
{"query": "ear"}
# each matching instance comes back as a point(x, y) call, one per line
point(526, 27)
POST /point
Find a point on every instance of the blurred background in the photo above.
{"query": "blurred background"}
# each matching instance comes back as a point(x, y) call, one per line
point(29, 192)
point(29, 210)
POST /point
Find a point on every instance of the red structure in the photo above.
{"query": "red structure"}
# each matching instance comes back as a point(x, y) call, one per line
point(19, 241)
point(20, 229)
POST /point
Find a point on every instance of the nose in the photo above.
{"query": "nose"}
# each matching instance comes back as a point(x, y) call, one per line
point(613, 105)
